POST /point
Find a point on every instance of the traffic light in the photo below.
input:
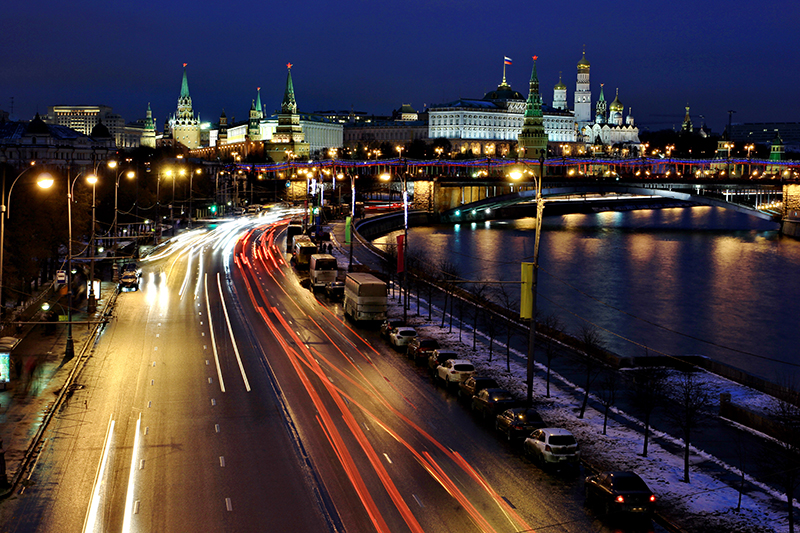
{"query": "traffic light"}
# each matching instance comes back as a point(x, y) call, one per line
point(213, 209)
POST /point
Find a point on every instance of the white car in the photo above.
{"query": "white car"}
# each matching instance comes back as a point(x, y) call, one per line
point(454, 371)
point(400, 337)
point(553, 446)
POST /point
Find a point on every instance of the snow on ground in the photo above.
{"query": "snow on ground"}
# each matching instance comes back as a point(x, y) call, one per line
point(705, 504)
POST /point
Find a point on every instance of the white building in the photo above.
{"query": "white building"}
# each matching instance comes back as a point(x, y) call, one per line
point(83, 118)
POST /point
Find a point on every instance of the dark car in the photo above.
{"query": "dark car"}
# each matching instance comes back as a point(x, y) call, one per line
point(489, 402)
point(389, 324)
point(334, 290)
point(518, 423)
point(421, 347)
point(473, 385)
point(438, 357)
point(620, 492)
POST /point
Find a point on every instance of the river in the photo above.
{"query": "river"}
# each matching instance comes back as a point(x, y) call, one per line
point(698, 280)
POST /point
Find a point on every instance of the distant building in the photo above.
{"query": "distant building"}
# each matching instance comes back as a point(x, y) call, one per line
point(407, 126)
point(54, 145)
point(83, 118)
point(765, 133)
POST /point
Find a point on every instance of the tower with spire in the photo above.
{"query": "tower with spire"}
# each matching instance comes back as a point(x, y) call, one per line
point(288, 136)
point(254, 124)
point(149, 132)
point(583, 93)
point(686, 127)
point(532, 138)
point(600, 111)
point(560, 95)
point(222, 135)
point(184, 125)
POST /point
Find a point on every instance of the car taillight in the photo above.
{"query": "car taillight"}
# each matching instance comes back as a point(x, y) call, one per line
point(454, 371)
point(652, 497)
point(547, 448)
point(620, 499)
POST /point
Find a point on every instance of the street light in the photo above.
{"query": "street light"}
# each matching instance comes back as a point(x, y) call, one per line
point(91, 305)
point(404, 251)
point(198, 172)
point(3, 216)
point(130, 174)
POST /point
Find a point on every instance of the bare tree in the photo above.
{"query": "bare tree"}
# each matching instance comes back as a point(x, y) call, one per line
point(692, 403)
point(447, 273)
point(647, 393)
point(591, 341)
point(507, 300)
point(782, 458)
point(478, 292)
point(609, 389)
point(553, 324)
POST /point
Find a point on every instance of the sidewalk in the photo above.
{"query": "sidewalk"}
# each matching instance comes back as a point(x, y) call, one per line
point(38, 375)
point(717, 448)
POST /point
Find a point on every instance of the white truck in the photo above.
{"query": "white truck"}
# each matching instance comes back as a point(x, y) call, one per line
point(322, 270)
point(364, 297)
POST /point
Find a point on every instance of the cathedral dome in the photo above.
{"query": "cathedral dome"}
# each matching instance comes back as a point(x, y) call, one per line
point(583, 64)
point(560, 86)
point(37, 126)
point(503, 92)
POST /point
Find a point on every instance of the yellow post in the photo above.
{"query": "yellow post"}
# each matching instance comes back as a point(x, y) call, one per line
point(526, 294)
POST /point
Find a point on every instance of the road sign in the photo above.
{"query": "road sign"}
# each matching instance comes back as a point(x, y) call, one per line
point(61, 276)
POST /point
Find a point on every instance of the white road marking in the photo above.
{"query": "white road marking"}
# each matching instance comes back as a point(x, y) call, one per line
point(152, 382)
point(228, 504)
point(141, 464)
point(222, 461)
point(150, 404)
point(213, 342)
point(419, 502)
point(136, 507)
point(230, 332)
point(91, 516)
point(213, 401)
point(211, 380)
point(387, 458)
point(216, 428)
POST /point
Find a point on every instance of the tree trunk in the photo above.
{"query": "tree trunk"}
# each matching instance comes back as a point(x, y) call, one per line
point(646, 433)
point(686, 456)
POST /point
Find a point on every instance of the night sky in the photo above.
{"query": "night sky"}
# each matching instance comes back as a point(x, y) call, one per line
point(374, 56)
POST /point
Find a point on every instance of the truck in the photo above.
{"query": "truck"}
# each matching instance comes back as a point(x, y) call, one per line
point(364, 297)
point(303, 249)
point(322, 269)
point(294, 228)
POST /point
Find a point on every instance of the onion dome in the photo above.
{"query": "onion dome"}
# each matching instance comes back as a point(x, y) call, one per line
point(616, 105)
point(583, 64)
point(560, 85)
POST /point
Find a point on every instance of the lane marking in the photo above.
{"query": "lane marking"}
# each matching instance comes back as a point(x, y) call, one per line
point(216, 428)
point(419, 502)
point(228, 504)
point(388, 460)
point(136, 507)
point(230, 332)
point(213, 342)
point(222, 461)
point(213, 401)
point(141, 464)
point(126, 523)
point(91, 516)
point(211, 380)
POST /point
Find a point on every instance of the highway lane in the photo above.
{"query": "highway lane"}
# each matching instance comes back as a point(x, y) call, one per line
point(395, 454)
point(152, 442)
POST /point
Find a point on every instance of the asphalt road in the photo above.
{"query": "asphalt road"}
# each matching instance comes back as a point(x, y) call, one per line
point(225, 397)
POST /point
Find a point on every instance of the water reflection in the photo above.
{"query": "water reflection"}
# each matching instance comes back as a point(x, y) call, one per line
point(688, 274)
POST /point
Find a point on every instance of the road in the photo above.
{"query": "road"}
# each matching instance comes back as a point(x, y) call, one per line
point(225, 397)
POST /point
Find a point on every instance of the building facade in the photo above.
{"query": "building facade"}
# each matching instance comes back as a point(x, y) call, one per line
point(83, 118)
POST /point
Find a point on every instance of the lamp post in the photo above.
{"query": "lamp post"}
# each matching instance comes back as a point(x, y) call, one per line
point(539, 213)
point(198, 172)
point(3, 215)
point(404, 251)
point(91, 304)
point(130, 174)
point(352, 217)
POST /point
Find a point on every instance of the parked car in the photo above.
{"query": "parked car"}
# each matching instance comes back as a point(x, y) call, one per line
point(438, 357)
point(553, 446)
point(489, 402)
point(454, 371)
point(400, 337)
point(518, 423)
point(334, 290)
point(473, 385)
point(388, 325)
point(420, 348)
point(619, 492)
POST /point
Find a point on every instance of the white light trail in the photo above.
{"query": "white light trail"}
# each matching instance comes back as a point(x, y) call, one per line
point(213, 341)
point(126, 523)
point(230, 332)
point(90, 522)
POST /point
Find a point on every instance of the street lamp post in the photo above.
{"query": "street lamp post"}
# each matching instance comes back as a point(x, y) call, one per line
point(130, 174)
point(191, 175)
point(404, 251)
point(3, 215)
point(91, 304)
point(352, 217)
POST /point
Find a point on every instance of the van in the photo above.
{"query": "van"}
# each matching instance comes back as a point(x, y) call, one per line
point(323, 269)
point(303, 249)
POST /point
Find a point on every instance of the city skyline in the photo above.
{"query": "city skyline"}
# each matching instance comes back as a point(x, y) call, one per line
point(713, 58)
